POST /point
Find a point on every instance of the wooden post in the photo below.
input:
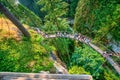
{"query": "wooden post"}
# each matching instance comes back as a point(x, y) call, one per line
point(10, 16)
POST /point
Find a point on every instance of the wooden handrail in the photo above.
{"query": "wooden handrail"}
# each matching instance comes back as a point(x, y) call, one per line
point(46, 76)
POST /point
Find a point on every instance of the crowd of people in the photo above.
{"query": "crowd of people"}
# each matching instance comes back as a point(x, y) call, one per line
point(76, 36)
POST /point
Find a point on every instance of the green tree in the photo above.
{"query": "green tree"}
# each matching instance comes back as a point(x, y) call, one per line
point(73, 6)
point(55, 10)
point(98, 19)
point(89, 59)
point(24, 56)
point(109, 24)
point(84, 17)
point(63, 50)
point(77, 70)
point(109, 75)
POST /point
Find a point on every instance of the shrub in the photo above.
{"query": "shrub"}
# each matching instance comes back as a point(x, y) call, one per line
point(24, 56)
point(77, 70)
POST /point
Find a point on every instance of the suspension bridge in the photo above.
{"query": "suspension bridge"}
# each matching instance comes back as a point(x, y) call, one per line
point(83, 39)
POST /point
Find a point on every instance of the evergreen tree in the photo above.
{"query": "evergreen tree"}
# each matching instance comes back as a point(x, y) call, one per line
point(73, 6)
point(107, 20)
point(55, 10)
point(84, 17)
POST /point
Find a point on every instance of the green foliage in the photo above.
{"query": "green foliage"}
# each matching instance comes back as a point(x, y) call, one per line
point(55, 9)
point(108, 75)
point(109, 24)
point(32, 20)
point(62, 46)
point(24, 56)
point(89, 59)
point(84, 17)
point(73, 6)
point(23, 14)
point(98, 19)
point(77, 70)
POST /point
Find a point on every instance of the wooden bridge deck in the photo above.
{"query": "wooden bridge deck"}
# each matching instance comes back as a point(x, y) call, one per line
point(39, 76)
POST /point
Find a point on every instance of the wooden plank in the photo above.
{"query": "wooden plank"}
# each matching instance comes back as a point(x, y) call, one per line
point(49, 76)
point(27, 78)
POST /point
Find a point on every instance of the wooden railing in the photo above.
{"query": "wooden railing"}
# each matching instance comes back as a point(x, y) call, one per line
point(39, 76)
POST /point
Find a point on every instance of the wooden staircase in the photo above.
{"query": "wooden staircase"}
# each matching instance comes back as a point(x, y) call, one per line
point(39, 76)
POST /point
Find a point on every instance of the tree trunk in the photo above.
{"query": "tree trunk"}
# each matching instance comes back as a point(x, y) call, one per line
point(10, 16)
